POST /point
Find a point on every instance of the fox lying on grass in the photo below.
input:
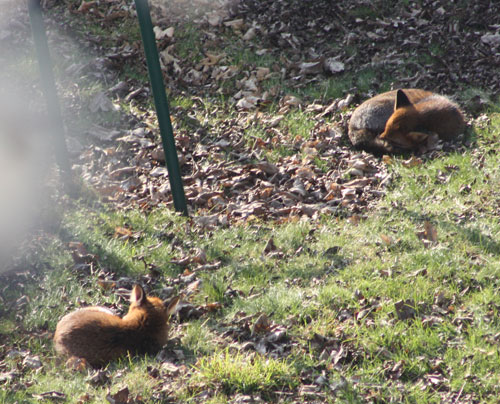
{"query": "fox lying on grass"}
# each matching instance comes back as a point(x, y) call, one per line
point(98, 336)
point(402, 120)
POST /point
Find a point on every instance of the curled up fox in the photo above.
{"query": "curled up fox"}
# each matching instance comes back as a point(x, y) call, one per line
point(98, 336)
point(402, 120)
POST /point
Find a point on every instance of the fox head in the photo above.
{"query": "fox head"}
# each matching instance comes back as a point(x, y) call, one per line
point(401, 125)
point(149, 306)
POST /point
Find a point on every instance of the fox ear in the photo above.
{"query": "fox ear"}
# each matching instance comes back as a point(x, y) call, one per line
point(401, 100)
point(172, 305)
point(137, 295)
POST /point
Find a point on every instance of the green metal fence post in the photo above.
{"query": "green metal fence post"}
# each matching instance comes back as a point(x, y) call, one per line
point(161, 103)
point(49, 87)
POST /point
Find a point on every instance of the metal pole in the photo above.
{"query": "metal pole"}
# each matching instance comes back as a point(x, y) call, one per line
point(161, 103)
point(49, 87)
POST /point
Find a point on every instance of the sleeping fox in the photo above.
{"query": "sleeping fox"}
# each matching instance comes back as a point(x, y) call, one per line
point(402, 120)
point(98, 336)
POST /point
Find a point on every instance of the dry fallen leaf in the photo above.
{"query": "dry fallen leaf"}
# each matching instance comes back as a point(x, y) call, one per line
point(200, 257)
point(99, 377)
point(291, 100)
point(120, 397)
point(386, 239)
point(85, 6)
point(212, 59)
point(430, 231)
point(237, 24)
point(51, 396)
point(77, 364)
point(163, 33)
point(211, 307)
point(262, 73)
point(106, 285)
point(122, 232)
point(412, 162)
point(270, 246)
point(405, 309)
point(331, 65)
point(429, 235)
point(387, 159)
point(250, 34)
point(193, 287)
point(262, 324)
point(84, 398)
point(354, 219)
point(215, 19)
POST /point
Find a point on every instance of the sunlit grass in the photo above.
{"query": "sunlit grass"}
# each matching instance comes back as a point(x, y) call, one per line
point(240, 373)
point(331, 277)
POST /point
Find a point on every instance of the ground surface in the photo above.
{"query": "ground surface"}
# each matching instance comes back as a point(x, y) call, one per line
point(311, 272)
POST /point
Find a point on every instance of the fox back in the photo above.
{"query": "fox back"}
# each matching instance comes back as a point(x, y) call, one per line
point(98, 336)
point(403, 119)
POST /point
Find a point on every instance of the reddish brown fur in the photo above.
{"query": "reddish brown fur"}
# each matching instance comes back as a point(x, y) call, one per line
point(429, 114)
point(404, 119)
point(98, 336)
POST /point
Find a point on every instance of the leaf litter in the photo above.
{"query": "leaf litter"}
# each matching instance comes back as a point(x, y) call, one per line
point(231, 180)
point(217, 157)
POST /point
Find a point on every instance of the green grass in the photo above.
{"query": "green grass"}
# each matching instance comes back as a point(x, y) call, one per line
point(243, 374)
point(188, 42)
point(304, 288)
point(332, 277)
point(297, 124)
point(313, 289)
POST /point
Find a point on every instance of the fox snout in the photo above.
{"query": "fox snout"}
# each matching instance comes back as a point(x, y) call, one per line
point(410, 140)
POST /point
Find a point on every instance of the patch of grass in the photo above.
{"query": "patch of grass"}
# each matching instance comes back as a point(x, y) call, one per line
point(123, 254)
point(335, 87)
point(215, 287)
point(189, 42)
point(183, 102)
point(198, 339)
point(365, 12)
point(365, 79)
point(329, 278)
point(255, 132)
point(326, 274)
point(280, 151)
point(7, 326)
point(76, 385)
point(377, 9)
point(469, 96)
point(136, 73)
point(246, 59)
point(489, 133)
point(297, 124)
point(436, 50)
point(9, 396)
point(239, 373)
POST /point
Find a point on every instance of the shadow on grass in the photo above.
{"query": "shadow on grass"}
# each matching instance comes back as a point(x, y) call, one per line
point(472, 235)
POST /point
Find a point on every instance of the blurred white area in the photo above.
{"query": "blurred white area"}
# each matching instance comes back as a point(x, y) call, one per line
point(24, 162)
point(24, 145)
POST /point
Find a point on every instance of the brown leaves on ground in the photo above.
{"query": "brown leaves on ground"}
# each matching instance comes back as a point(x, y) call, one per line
point(227, 174)
point(257, 333)
point(223, 191)
point(232, 176)
point(405, 309)
point(120, 397)
point(324, 28)
point(428, 235)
